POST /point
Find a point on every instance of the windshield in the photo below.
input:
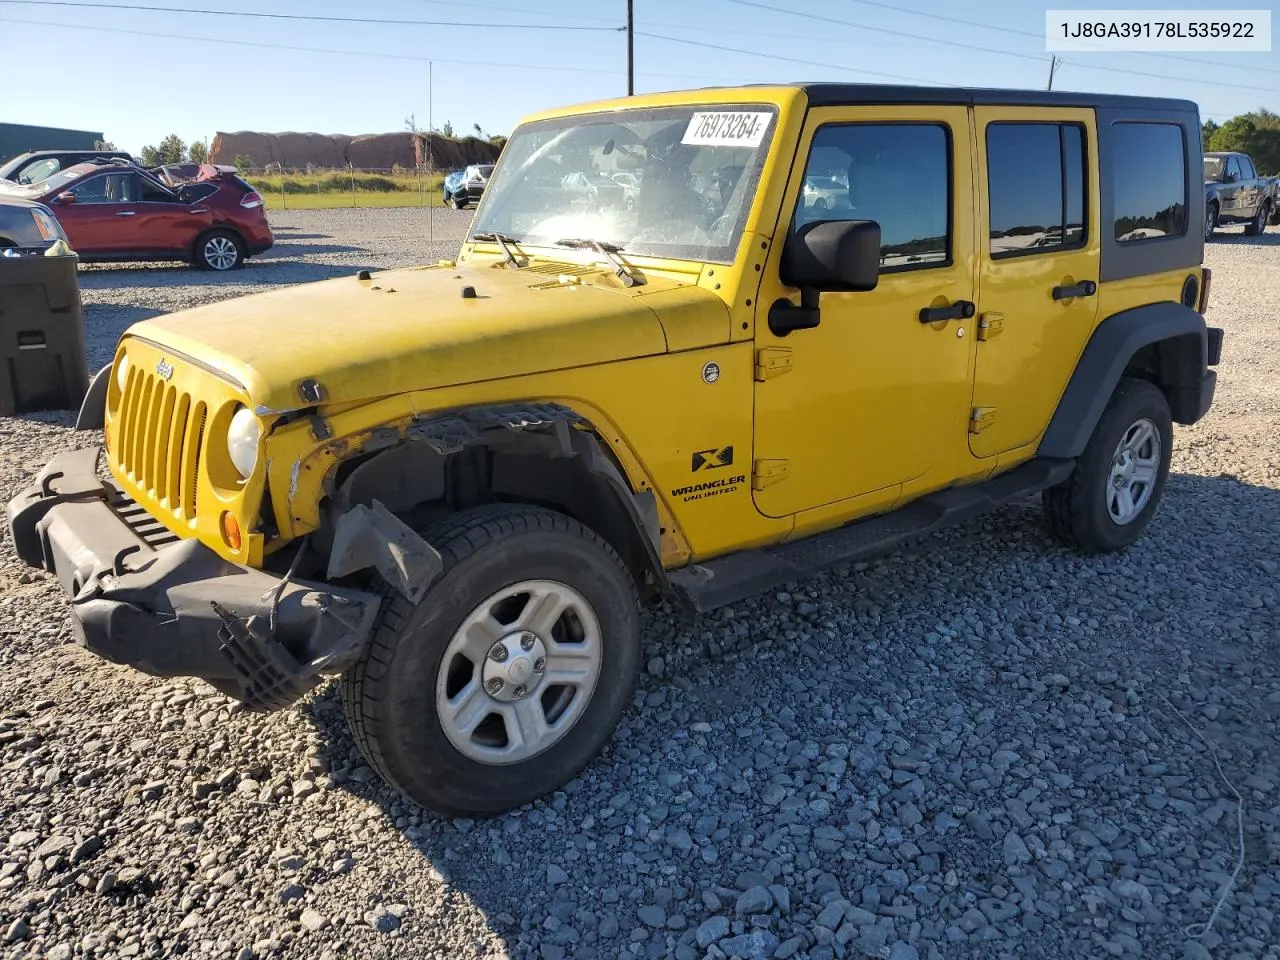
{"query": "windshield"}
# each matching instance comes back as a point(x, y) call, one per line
point(695, 170)
point(1213, 168)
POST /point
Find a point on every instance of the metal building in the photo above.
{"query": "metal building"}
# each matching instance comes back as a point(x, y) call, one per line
point(16, 138)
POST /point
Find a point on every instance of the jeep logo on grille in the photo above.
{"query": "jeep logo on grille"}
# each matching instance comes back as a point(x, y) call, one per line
point(164, 369)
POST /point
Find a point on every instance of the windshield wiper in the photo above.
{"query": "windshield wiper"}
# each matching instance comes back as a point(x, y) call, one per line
point(610, 250)
point(501, 239)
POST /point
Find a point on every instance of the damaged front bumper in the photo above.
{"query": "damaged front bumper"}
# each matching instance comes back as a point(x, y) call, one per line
point(174, 608)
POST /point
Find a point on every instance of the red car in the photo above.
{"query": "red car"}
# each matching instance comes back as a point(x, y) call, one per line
point(116, 211)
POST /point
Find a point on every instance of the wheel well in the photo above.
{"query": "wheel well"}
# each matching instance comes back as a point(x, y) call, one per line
point(1175, 365)
point(205, 235)
point(568, 470)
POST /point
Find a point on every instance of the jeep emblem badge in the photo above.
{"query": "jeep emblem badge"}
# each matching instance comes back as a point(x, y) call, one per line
point(711, 371)
point(164, 369)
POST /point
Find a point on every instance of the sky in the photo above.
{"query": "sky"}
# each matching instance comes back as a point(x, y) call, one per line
point(97, 66)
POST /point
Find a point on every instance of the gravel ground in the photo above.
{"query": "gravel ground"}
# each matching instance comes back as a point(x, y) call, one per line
point(981, 747)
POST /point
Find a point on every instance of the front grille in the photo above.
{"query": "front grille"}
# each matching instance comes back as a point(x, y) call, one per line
point(161, 432)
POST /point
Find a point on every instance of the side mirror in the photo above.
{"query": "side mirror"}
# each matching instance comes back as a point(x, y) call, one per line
point(66, 197)
point(1229, 178)
point(832, 255)
point(825, 256)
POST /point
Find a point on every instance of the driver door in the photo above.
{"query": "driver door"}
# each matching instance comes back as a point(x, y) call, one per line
point(99, 219)
point(875, 396)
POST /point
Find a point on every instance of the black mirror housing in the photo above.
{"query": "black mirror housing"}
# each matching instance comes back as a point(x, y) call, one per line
point(833, 255)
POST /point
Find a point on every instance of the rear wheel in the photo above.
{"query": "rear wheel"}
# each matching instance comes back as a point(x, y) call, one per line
point(1258, 223)
point(219, 250)
point(1112, 495)
point(508, 677)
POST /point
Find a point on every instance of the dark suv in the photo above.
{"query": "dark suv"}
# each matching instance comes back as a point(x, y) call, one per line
point(40, 165)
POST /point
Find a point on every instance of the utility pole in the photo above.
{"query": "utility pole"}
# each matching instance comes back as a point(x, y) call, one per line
point(431, 157)
point(631, 58)
point(1053, 66)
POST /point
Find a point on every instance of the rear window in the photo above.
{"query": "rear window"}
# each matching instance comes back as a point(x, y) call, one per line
point(1036, 183)
point(1148, 181)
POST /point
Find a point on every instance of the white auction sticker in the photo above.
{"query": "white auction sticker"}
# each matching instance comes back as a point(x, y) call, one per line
point(736, 128)
point(1233, 31)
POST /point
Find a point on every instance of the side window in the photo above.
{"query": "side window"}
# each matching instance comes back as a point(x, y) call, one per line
point(1148, 181)
point(1036, 185)
point(108, 188)
point(897, 174)
point(1246, 168)
point(149, 192)
point(1234, 172)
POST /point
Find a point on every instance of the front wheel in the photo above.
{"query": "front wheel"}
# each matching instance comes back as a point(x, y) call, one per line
point(1210, 220)
point(1258, 223)
point(1112, 495)
point(508, 677)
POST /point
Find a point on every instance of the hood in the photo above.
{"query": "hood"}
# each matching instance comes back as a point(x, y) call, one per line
point(414, 329)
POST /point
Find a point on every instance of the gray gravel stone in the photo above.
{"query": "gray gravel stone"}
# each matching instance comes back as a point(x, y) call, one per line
point(756, 900)
point(998, 685)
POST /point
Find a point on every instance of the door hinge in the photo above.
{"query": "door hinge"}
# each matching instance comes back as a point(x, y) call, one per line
point(772, 362)
point(765, 473)
point(990, 325)
point(981, 418)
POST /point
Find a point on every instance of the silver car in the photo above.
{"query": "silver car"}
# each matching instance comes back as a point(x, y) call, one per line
point(27, 227)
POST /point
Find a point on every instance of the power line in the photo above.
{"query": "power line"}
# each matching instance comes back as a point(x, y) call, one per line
point(775, 56)
point(1030, 33)
point(357, 53)
point(970, 46)
point(309, 17)
point(525, 10)
point(893, 33)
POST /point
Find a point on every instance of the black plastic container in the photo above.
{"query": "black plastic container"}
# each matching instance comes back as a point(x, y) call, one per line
point(42, 360)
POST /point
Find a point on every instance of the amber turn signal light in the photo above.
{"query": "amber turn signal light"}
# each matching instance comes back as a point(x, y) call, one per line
point(230, 530)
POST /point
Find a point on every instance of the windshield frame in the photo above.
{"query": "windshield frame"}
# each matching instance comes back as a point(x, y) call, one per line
point(505, 173)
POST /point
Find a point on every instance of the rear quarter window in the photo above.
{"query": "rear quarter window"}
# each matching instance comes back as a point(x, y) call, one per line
point(1149, 177)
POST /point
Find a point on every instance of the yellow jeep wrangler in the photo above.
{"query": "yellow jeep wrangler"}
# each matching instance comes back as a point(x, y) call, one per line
point(695, 346)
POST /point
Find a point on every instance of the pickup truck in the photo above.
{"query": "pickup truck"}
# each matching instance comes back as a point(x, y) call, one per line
point(1235, 193)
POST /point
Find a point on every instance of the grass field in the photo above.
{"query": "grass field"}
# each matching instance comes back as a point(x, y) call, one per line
point(321, 191)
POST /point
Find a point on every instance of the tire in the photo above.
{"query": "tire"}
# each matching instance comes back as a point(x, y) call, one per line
point(219, 250)
point(453, 203)
point(397, 696)
point(1080, 509)
point(1210, 220)
point(1258, 224)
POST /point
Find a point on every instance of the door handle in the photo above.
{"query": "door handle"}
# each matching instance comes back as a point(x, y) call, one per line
point(124, 213)
point(1085, 288)
point(960, 310)
point(199, 210)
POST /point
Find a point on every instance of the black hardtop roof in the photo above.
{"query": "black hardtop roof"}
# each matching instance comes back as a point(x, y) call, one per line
point(836, 94)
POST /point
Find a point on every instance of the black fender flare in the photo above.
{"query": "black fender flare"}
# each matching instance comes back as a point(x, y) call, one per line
point(548, 431)
point(1184, 358)
point(93, 408)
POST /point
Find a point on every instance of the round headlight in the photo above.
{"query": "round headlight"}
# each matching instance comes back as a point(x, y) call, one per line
point(243, 438)
point(122, 372)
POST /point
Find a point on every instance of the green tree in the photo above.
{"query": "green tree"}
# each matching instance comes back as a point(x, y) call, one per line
point(1206, 132)
point(199, 153)
point(447, 130)
point(1257, 134)
point(243, 163)
point(170, 150)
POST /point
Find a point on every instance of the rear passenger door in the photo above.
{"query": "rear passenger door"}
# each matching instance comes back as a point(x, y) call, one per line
point(1039, 252)
point(165, 225)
